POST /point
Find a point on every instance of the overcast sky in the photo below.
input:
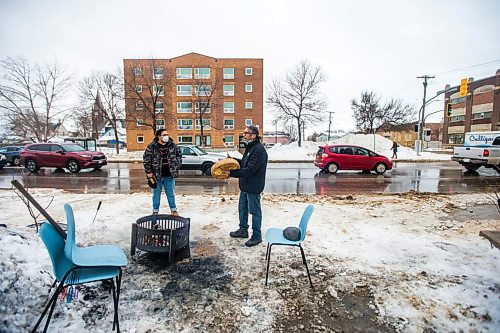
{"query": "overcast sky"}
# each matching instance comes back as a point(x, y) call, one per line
point(361, 45)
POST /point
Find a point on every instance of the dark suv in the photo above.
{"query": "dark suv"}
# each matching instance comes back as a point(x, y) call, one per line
point(61, 155)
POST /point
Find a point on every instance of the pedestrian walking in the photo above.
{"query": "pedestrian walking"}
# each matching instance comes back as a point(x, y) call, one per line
point(394, 149)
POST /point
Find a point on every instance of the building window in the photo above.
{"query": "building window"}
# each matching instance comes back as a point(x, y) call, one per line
point(248, 71)
point(138, 89)
point(184, 107)
point(248, 105)
point(184, 90)
point(202, 73)
point(457, 100)
point(483, 89)
point(202, 107)
point(228, 73)
point(228, 90)
point(229, 124)
point(208, 140)
point(457, 118)
point(159, 107)
point(158, 90)
point(139, 122)
point(158, 73)
point(457, 138)
point(228, 140)
point(185, 124)
point(138, 71)
point(481, 115)
point(202, 90)
point(184, 73)
point(207, 124)
point(140, 139)
point(185, 139)
point(248, 88)
point(228, 107)
point(160, 123)
point(248, 122)
point(139, 105)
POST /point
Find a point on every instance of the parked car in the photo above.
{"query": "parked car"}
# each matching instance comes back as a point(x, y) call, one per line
point(196, 158)
point(3, 161)
point(12, 154)
point(332, 158)
point(481, 149)
point(61, 155)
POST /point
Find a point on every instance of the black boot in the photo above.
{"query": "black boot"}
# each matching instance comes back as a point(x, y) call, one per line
point(253, 241)
point(240, 233)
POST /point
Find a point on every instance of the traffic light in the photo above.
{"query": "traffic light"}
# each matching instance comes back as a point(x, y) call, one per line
point(463, 87)
point(449, 110)
point(416, 127)
point(427, 132)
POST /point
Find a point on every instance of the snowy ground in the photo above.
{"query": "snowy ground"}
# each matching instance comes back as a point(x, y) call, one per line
point(379, 263)
point(307, 152)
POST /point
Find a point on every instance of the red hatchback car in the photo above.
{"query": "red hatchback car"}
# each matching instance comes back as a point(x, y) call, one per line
point(61, 155)
point(347, 157)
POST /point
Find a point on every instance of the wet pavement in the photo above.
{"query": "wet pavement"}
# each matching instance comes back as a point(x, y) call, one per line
point(437, 177)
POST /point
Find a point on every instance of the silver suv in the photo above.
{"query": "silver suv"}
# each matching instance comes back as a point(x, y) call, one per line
point(196, 158)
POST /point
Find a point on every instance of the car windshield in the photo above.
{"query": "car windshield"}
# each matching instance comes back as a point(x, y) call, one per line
point(199, 150)
point(72, 148)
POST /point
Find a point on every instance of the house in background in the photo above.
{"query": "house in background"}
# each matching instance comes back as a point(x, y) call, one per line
point(107, 135)
point(273, 137)
point(334, 135)
point(406, 134)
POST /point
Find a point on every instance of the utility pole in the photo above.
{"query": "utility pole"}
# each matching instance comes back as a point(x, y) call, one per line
point(329, 124)
point(418, 143)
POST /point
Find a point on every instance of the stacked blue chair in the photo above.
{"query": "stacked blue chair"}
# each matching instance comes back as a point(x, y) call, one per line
point(274, 236)
point(74, 265)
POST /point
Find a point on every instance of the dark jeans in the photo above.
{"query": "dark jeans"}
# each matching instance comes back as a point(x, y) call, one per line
point(250, 203)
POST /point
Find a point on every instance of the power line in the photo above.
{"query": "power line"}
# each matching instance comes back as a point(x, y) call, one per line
point(459, 69)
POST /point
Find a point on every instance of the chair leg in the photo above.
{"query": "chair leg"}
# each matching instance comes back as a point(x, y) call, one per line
point(268, 261)
point(305, 263)
point(50, 315)
point(114, 302)
point(267, 251)
point(118, 287)
point(53, 300)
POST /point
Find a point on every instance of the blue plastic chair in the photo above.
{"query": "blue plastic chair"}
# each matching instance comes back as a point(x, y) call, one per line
point(105, 265)
point(274, 236)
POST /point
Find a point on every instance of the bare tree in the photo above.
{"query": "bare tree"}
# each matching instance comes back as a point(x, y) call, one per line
point(370, 115)
point(30, 96)
point(109, 87)
point(147, 101)
point(297, 97)
point(206, 99)
point(83, 119)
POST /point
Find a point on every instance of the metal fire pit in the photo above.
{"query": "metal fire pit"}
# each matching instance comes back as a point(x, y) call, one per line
point(162, 234)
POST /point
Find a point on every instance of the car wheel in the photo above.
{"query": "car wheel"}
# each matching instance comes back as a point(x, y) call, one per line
point(32, 166)
point(206, 169)
point(332, 168)
point(73, 166)
point(16, 161)
point(380, 168)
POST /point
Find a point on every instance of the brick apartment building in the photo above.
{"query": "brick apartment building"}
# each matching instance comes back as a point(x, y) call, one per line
point(171, 94)
point(478, 111)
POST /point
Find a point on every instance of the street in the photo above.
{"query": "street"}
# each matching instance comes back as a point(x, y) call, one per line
point(296, 178)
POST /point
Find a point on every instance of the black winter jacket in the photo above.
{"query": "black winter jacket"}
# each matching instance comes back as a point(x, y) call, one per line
point(153, 160)
point(252, 172)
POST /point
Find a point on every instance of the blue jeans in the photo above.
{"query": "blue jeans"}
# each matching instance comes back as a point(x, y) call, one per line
point(250, 203)
point(169, 184)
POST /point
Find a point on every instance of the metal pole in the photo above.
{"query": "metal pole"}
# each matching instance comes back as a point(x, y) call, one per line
point(329, 124)
point(421, 120)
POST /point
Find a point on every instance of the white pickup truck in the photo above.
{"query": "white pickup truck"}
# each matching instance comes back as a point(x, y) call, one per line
point(480, 149)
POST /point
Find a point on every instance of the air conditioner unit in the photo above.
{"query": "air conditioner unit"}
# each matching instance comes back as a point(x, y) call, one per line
point(228, 93)
point(228, 126)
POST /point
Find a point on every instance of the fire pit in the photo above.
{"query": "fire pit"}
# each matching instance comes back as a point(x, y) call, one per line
point(162, 234)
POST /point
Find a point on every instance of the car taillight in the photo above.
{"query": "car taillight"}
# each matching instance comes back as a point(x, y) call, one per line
point(486, 153)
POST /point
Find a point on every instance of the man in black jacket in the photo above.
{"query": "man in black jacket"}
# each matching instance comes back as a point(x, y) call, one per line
point(252, 178)
point(162, 161)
